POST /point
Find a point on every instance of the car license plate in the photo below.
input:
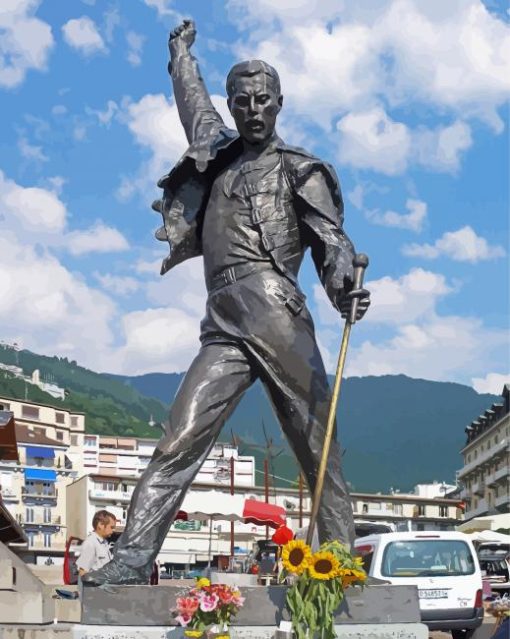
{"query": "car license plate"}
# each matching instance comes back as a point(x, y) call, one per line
point(433, 594)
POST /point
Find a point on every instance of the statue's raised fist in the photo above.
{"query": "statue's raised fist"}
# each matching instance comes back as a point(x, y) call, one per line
point(184, 34)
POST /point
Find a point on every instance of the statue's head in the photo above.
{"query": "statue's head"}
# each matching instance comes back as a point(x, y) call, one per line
point(254, 99)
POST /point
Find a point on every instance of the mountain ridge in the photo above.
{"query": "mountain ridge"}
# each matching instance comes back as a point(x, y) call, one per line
point(385, 423)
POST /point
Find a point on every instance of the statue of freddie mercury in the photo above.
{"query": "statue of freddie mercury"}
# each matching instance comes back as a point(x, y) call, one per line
point(250, 205)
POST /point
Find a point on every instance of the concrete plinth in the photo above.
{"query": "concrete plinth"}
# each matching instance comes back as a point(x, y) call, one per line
point(344, 631)
point(264, 606)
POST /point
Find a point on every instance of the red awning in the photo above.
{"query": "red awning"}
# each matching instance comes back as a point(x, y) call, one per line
point(262, 514)
point(250, 511)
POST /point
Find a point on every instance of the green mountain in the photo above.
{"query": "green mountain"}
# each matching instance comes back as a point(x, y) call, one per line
point(395, 431)
point(111, 407)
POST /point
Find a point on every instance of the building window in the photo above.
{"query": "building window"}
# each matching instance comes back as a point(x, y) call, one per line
point(31, 539)
point(60, 418)
point(364, 508)
point(47, 540)
point(47, 515)
point(496, 438)
point(90, 441)
point(74, 420)
point(5, 406)
point(397, 509)
point(421, 511)
point(60, 435)
point(74, 440)
point(443, 511)
point(30, 412)
point(29, 515)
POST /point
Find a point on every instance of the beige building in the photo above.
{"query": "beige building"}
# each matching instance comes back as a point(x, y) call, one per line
point(50, 444)
point(485, 475)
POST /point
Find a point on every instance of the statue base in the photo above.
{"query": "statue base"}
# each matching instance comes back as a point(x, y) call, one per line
point(264, 605)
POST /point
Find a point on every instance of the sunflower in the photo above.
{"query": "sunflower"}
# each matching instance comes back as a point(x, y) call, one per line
point(351, 575)
point(295, 556)
point(323, 565)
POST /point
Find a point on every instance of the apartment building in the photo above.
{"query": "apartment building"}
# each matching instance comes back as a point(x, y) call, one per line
point(485, 475)
point(33, 488)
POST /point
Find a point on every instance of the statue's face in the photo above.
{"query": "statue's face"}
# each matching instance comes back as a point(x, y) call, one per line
point(254, 106)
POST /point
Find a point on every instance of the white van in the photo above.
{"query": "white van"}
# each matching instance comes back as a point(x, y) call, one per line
point(443, 566)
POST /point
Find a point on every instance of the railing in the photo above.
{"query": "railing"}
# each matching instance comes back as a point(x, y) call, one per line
point(115, 495)
point(502, 500)
point(40, 521)
point(479, 510)
point(38, 494)
point(8, 493)
point(501, 473)
point(484, 457)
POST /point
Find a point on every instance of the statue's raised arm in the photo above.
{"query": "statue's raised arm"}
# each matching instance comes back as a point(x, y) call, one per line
point(196, 110)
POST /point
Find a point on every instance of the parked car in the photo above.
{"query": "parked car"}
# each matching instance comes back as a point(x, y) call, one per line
point(494, 558)
point(442, 565)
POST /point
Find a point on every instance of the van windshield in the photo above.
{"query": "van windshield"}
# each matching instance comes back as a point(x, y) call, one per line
point(427, 558)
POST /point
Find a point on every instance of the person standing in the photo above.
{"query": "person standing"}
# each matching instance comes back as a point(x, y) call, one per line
point(95, 551)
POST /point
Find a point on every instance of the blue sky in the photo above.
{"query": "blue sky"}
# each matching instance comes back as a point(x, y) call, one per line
point(407, 98)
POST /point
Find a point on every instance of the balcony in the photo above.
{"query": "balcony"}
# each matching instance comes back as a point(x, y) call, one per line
point(39, 521)
point(110, 495)
point(9, 494)
point(502, 500)
point(498, 475)
point(37, 495)
point(478, 488)
point(481, 509)
point(485, 457)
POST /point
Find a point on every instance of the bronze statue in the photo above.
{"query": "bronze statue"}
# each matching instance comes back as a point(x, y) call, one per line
point(251, 205)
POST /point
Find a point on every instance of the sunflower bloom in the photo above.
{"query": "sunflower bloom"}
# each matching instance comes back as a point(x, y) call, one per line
point(323, 565)
point(295, 556)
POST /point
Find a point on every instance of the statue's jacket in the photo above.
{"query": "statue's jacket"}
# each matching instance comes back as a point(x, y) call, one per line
point(308, 212)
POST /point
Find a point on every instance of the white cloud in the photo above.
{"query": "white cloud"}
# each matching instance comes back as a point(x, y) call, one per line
point(53, 308)
point(26, 41)
point(441, 148)
point(463, 245)
point(157, 339)
point(118, 284)
point(98, 239)
point(105, 117)
point(30, 208)
point(453, 56)
point(491, 383)
point(82, 34)
point(111, 20)
point(413, 338)
point(163, 7)
point(57, 313)
point(31, 151)
point(438, 348)
point(372, 140)
point(155, 125)
point(393, 300)
point(135, 46)
point(39, 215)
point(412, 221)
point(59, 109)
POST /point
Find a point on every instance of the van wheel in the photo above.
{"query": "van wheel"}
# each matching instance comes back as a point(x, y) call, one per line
point(463, 634)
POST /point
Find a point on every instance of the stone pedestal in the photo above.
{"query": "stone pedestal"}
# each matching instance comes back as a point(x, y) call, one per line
point(264, 606)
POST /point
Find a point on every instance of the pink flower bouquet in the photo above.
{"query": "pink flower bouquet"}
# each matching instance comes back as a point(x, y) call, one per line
point(207, 605)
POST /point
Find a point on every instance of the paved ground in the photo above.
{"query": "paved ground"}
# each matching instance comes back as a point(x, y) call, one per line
point(483, 632)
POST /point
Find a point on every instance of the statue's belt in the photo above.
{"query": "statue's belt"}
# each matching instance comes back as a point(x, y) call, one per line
point(294, 301)
point(234, 273)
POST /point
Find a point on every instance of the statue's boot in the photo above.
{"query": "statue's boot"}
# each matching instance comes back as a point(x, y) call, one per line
point(115, 572)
